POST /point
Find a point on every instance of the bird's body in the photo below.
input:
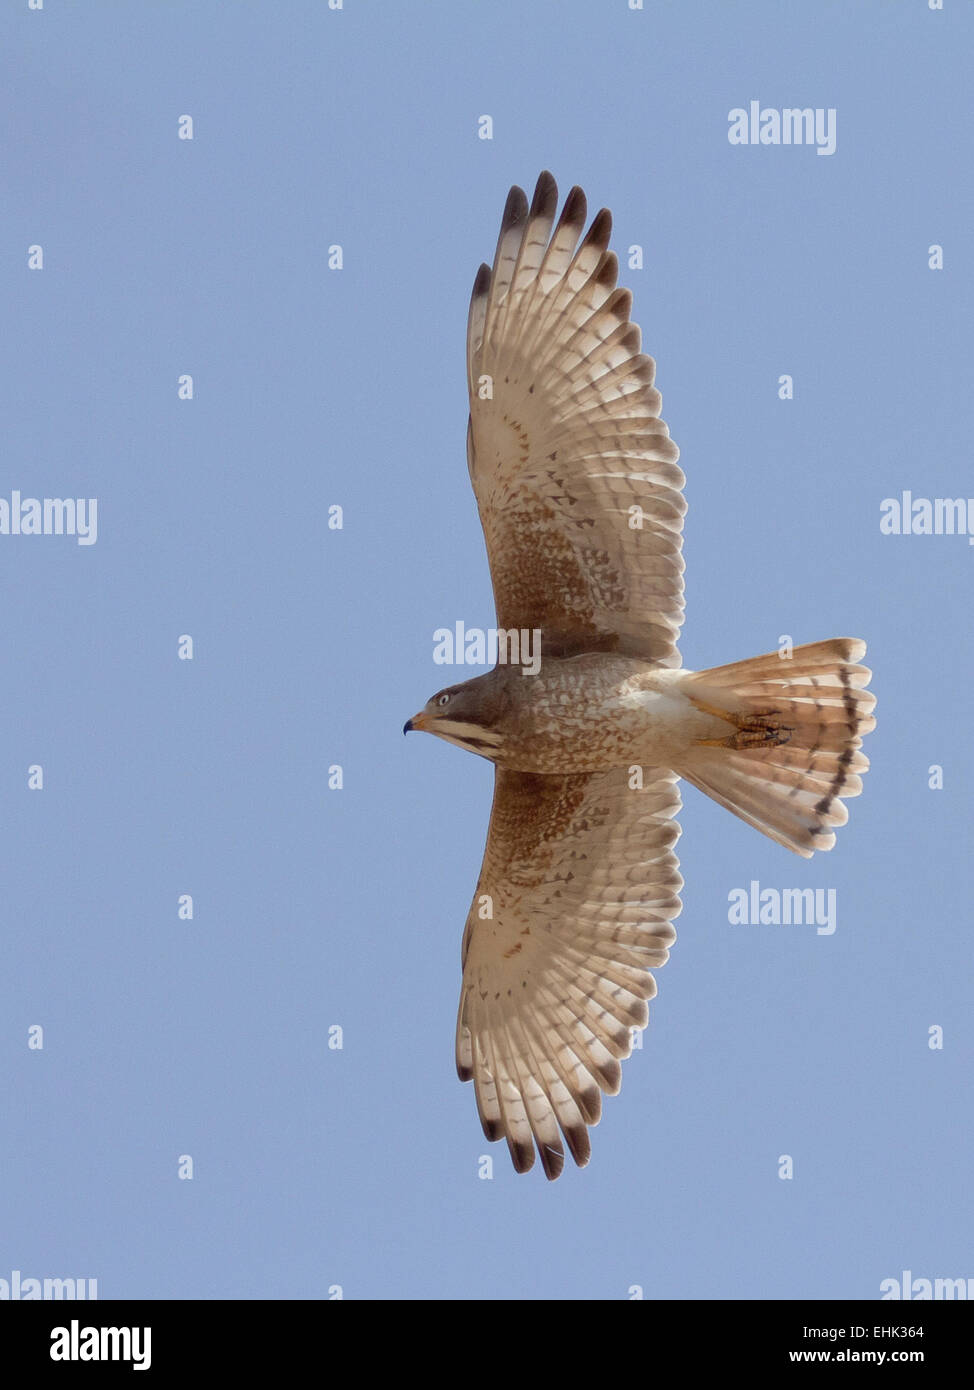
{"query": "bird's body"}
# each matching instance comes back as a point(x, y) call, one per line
point(580, 498)
point(586, 713)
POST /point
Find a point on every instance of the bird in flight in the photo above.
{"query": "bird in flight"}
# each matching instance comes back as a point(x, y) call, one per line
point(580, 498)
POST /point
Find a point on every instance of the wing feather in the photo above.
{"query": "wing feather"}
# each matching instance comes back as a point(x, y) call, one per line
point(575, 474)
point(581, 884)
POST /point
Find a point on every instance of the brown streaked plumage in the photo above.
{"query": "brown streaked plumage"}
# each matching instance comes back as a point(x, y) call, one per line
point(579, 493)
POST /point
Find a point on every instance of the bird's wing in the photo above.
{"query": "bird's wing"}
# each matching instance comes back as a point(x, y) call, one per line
point(574, 472)
point(577, 893)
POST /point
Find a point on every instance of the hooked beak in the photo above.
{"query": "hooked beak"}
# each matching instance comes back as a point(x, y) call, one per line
point(418, 723)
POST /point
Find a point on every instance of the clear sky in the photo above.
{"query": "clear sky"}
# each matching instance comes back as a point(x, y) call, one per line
point(163, 1037)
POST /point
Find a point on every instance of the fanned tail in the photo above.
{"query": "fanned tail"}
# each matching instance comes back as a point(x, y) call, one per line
point(793, 751)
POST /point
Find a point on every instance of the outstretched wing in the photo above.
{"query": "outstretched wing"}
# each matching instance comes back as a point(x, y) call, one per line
point(577, 893)
point(574, 472)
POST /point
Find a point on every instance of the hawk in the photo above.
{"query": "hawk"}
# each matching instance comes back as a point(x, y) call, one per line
point(580, 498)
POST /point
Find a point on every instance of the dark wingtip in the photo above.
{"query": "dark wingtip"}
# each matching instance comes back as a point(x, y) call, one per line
point(576, 208)
point(552, 1161)
point(545, 198)
point(607, 274)
point(481, 282)
point(579, 1144)
point(522, 1154)
point(515, 209)
point(601, 228)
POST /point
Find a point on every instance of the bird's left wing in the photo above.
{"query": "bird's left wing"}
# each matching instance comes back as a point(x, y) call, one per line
point(575, 473)
point(577, 893)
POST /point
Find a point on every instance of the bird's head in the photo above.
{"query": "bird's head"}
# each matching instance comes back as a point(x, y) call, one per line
point(466, 715)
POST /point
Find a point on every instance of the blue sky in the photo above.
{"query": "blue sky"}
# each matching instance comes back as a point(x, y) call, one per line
point(313, 907)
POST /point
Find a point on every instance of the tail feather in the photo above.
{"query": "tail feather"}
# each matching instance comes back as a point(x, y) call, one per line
point(792, 750)
point(813, 659)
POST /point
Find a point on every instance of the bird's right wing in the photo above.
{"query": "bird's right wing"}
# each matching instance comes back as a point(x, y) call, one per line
point(577, 893)
point(575, 474)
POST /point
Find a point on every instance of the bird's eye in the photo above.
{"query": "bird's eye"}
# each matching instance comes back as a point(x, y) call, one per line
point(443, 699)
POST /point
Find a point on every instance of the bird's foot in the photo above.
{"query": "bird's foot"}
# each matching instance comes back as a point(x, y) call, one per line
point(764, 730)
